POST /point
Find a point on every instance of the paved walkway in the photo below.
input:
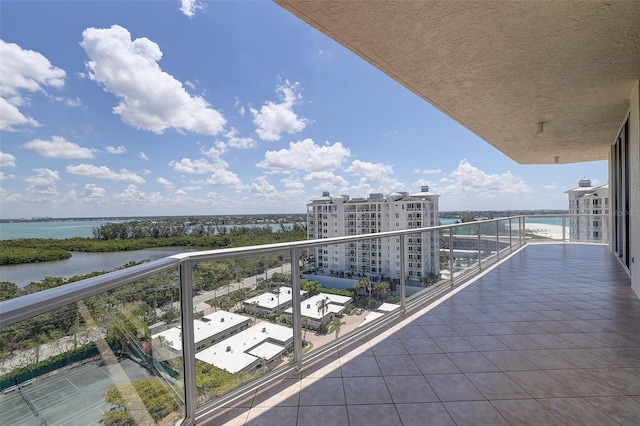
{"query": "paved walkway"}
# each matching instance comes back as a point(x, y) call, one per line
point(550, 337)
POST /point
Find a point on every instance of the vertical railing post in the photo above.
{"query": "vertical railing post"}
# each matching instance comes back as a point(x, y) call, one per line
point(479, 247)
point(519, 232)
point(523, 230)
point(402, 274)
point(451, 255)
point(510, 236)
point(564, 224)
point(296, 314)
point(188, 346)
point(498, 239)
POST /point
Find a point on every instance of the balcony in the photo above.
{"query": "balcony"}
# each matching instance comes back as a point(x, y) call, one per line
point(545, 334)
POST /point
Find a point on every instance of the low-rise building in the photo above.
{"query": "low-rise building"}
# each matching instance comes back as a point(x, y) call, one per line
point(271, 303)
point(207, 331)
point(315, 315)
point(249, 349)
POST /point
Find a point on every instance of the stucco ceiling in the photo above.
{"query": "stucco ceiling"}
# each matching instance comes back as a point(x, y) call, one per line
point(500, 67)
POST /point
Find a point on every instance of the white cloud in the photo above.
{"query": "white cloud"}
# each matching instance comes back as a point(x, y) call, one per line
point(190, 7)
point(190, 188)
point(469, 181)
point(166, 183)
point(7, 160)
point(3, 176)
point(306, 155)
point(58, 147)
point(131, 195)
point(187, 165)
point(328, 178)
point(44, 183)
point(428, 171)
point(235, 141)
point(93, 192)
point(23, 70)
point(115, 149)
point(103, 172)
point(11, 117)
point(143, 156)
point(552, 187)
point(262, 187)
point(151, 99)
point(374, 177)
point(223, 177)
point(273, 119)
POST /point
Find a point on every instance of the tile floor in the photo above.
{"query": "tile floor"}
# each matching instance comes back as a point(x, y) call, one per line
point(549, 337)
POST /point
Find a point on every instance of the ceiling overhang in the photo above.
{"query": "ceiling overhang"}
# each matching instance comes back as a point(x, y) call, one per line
point(500, 68)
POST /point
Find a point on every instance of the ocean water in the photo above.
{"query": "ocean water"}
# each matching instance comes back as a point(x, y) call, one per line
point(51, 229)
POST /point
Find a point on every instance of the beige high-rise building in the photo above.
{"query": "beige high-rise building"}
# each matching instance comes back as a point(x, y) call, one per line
point(334, 216)
point(592, 204)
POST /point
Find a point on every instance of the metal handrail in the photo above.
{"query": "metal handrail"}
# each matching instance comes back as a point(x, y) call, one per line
point(31, 305)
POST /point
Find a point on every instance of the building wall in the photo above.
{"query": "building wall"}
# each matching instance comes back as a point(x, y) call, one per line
point(634, 149)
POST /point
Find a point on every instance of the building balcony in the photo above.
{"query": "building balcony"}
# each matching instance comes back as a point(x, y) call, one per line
point(532, 333)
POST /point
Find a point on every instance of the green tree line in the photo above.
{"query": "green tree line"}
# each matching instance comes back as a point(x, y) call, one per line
point(30, 250)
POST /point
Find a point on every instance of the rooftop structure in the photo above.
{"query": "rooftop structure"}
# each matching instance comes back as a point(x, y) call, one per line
point(336, 305)
point(208, 330)
point(269, 303)
point(247, 349)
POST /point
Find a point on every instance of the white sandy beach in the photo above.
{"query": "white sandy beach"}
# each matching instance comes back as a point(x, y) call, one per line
point(553, 232)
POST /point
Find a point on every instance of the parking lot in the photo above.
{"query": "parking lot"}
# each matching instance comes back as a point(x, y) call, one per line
point(73, 396)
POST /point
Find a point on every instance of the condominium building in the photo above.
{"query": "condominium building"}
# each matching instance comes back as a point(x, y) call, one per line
point(592, 204)
point(335, 216)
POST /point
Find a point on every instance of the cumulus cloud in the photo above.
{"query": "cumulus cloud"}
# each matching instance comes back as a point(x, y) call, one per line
point(166, 183)
point(43, 183)
point(115, 149)
point(7, 160)
point(374, 177)
point(327, 178)
point(469, 181)
point(23, 71)
point(58, 147)
point(235, 141)
point(306, 155)
point(103, 172)
point(131, 195)
point(190, 7)
point(187, 165)
point(4, 176)
point(93, 192)
point(275, 118)
point(151, 99)
point(143, 156)
point(262, 187)
point(428, 171)
point(223, 177)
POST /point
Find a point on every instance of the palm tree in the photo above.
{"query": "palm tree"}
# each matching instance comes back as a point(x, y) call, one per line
point(254, 306)
point(365, 284)
point(382, 288)
point(305, 323)
point(336, 324)
point(323, 306)
point(229, 285)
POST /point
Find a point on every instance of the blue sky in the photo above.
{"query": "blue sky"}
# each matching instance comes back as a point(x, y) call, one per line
point(167, 108)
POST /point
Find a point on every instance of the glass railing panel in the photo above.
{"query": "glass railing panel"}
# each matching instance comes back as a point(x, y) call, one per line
point(465, 250)
point(242, 329)
point(428, 274)
point(544, 228)
point(97, 361)
point(590, 228)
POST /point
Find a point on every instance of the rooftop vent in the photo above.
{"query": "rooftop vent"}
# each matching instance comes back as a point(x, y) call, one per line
point(264, 329)
point(228, 348)
point(308, 305)
point(221, 319)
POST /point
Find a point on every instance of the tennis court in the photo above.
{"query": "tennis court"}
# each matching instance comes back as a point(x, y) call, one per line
point(74, 396)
